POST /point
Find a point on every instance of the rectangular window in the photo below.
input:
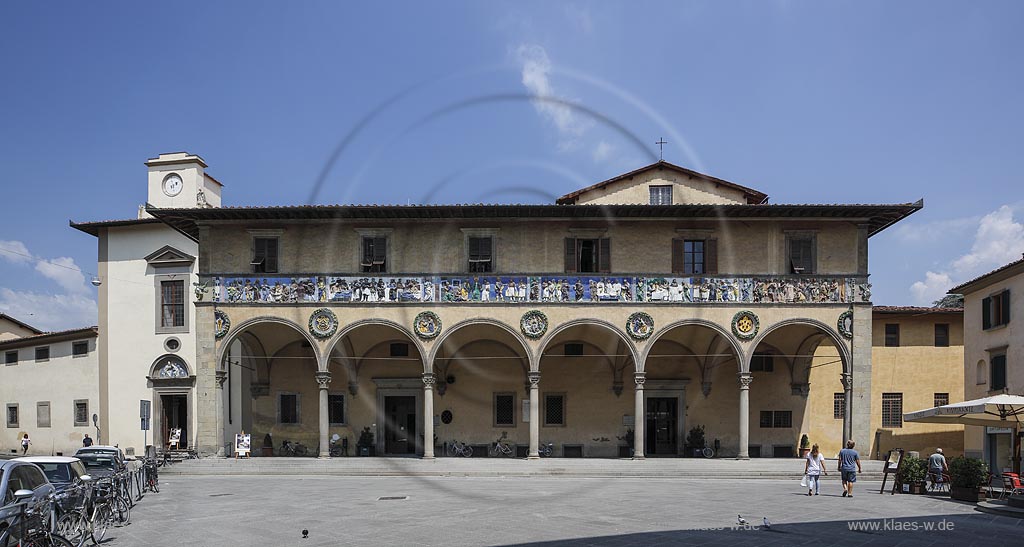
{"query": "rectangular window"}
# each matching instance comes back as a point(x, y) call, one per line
point(78, 349)
point(172, 304)
point(997, 372)
point(480, 254)
point(43, 414)
point(289, 408)
point(504, 409)
point(264, 254)
point(942, 335)
point(81, 412)
point(336, 408)
point(762, 362)
point(695, 256)
point(779, 419)
point(12, 415)
point(801, 254)
point(661, 195)
point(995, 310)
point(11, 358)
point(941, 399)
point(375, 255)
point(43, 353)
point(554, 409)
point(892, 335)
point(588, 255)
point(839, 406)
point(892, 410)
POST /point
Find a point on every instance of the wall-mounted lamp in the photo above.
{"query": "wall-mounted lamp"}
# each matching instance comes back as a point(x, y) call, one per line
point(96, 281)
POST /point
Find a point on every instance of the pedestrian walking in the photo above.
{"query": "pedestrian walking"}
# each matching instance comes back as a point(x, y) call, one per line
point(849, 466)
point(814, 466)
point(25, 441)
point(87, 441)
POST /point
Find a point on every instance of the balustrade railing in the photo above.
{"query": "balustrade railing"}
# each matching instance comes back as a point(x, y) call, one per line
point(540, 288)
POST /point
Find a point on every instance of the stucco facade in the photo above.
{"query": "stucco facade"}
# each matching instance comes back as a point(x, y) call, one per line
point(993, 350)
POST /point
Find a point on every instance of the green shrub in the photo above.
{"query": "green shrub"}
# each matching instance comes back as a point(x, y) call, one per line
point(695, 438)
point(804, 441)
point(913, 470)
point(365, 437)
point(968, 472)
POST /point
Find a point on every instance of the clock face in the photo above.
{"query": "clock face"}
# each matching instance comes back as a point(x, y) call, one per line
point(172, 185)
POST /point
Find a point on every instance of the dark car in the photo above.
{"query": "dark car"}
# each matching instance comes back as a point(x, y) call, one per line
point(14, 476)
point(100, 465)
point(62, 472)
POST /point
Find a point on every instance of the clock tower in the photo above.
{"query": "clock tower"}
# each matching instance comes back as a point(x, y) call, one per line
point(178, 180)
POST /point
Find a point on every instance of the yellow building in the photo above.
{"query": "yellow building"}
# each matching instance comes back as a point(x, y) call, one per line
point(662, 293)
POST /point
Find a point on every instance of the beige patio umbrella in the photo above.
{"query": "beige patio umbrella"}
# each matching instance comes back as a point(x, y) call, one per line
point(996, 411)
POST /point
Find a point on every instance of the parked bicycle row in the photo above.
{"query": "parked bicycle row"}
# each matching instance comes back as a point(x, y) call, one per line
point(69, 501)
point(499, 447)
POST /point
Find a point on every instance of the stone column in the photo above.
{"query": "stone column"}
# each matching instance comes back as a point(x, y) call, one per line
point(323, 380)
point(847, 379)
point(858, 395)
point(640, 416)
point(534, 377)
point(428, 415)
point(745, 379)
point(221, 376)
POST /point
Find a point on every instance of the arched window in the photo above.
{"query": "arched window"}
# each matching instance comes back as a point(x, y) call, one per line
point(170, 366)
point(981, 377)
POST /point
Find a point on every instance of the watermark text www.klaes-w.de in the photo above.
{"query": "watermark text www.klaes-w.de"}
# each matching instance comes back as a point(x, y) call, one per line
point(897, 525)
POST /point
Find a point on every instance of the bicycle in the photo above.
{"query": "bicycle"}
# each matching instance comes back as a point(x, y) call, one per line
point(71, 519)
point(31, 528)
point(461, 449)
point(708, 452)
point(151, 477)
point(501, 448)
point(546, 449)
point(289, 448)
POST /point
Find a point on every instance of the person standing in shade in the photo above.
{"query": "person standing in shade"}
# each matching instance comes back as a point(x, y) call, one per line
point(937, 466)
point(25, 441)
point(814, 466)
point(87, 441)
point(849, 466)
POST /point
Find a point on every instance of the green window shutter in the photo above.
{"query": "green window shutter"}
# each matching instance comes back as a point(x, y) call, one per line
point(604, 257)
point(570, 255)
point(1006, 306)
point(986, 313)
point(711, 256)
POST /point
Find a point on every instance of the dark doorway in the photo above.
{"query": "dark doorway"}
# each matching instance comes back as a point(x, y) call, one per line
point(175, 416)
point(400, 425)
point(660, 430)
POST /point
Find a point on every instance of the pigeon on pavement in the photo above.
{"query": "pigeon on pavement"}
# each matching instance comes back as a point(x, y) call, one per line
point(766, 523)
point(741, 521)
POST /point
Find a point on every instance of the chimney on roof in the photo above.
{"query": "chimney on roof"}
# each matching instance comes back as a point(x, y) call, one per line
point(178, 181)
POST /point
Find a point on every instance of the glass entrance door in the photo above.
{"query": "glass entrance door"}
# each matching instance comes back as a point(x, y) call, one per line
point(661, 426)
point(400, 425)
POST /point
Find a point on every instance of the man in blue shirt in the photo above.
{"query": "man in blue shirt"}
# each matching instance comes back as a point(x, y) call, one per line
point(849, 466)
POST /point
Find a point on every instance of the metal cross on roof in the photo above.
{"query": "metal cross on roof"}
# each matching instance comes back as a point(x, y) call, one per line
point(661, 146)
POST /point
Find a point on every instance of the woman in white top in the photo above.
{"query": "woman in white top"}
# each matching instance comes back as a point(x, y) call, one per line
point(814, 466)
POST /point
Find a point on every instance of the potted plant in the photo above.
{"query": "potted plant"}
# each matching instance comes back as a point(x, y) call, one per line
point(911, 475)
point(968, 475)
point(626, 450)
point(805, 445)
point(695, 442)
point(268, 446)
point(366, 445)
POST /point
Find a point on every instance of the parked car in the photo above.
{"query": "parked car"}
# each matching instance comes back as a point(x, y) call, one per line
point(18, 475)
point(63, 472)
point(102, 449)
point(100, 465)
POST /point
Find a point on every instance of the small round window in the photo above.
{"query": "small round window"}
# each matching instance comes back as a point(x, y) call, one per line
point(172, 344)
point(446, 417)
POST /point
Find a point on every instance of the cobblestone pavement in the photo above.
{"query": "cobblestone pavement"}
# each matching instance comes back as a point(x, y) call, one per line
point(247, 510)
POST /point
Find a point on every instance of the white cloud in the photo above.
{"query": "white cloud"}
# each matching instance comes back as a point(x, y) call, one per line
point(65, 272)
point(932, 288)
point(15, 251)
point(536, 70)
point(939, 230)
point(998, 240)
point(602, 151)
point(49, 312)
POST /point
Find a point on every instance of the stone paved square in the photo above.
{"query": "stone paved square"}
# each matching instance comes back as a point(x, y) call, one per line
point(446, 511)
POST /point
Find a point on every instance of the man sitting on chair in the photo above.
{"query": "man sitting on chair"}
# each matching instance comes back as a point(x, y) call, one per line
point(937, 467)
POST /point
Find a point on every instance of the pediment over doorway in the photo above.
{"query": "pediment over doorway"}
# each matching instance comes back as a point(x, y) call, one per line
point(169, 256)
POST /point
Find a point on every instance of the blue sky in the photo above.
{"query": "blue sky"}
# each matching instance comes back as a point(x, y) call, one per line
point(810, 102)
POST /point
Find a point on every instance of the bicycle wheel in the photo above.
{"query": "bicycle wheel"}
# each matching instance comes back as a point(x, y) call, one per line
point(154, 485)
point(101, 520)
point(708, 452)
point(73, 527)
point(467, 451)
point(46, 539)
point(492, 451)
point(122, 511)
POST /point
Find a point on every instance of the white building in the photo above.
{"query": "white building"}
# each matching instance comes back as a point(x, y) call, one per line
point(147, 272)
point(48, 385)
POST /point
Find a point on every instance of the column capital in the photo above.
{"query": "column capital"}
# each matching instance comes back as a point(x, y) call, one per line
point(323, 378)
point(847, 379)
point(640, 378)
point(429, 379)
point(745, 379)
point(534, 377)
point(221, 377)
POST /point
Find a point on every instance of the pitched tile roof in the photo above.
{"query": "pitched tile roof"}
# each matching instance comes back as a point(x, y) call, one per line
point(753, 196)
point(959, 289)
